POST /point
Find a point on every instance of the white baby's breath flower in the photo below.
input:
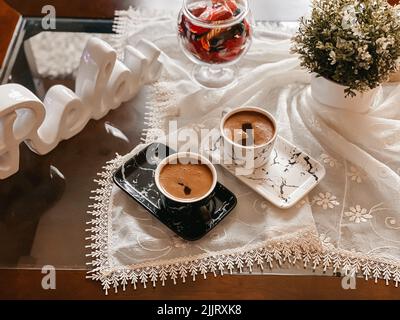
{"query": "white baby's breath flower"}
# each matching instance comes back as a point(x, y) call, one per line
point(383, 43)
point(332, 55)
point(349, 17)
point(385, 28)
point(320, 45)
point(363, 53)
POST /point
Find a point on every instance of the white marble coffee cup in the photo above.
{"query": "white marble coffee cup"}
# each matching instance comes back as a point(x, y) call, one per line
point(247, 157)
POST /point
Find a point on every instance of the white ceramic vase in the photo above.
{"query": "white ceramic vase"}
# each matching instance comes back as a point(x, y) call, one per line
point(332, 94)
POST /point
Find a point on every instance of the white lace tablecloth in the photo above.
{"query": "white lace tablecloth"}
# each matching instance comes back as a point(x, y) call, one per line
point(349, 223)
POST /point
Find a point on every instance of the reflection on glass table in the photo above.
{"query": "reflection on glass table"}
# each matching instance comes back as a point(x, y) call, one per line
point(43, 207)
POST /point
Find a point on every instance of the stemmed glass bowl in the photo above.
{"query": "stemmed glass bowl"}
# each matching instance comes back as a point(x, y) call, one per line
point(215, 34)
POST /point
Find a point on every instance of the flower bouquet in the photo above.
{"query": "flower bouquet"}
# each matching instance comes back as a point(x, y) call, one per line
point(351, 47)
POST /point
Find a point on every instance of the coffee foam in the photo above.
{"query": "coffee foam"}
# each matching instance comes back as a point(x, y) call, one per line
point(249, 127)
point(186, 181)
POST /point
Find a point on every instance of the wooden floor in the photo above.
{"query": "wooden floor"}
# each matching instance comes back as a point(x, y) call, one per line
point(25, 284)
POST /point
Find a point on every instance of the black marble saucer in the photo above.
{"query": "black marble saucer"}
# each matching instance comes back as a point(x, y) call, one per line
point(136, 178)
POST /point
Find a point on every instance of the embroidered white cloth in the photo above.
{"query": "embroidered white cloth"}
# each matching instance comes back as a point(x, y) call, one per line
point(354, 211)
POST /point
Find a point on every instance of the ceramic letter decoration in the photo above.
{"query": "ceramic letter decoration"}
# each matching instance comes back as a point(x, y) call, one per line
point(118, 88)
point(21, 114)
point(96, 66)
point(65, 117)
point(143, 63)
point(102, 84)
point(152, 67)
point(135, 61)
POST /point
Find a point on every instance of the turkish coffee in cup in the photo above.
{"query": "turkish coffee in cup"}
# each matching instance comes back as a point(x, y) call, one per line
point(186, 182)
point(249, 135)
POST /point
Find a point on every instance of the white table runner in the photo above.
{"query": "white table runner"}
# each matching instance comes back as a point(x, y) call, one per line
point(354, 211)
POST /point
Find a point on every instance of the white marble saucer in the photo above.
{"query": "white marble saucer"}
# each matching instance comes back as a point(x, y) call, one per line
point(286, 179)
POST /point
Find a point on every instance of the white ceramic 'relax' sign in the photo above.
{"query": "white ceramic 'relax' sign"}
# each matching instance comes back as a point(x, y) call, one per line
point(102, 84)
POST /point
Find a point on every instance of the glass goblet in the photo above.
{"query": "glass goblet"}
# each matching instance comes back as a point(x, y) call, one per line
point(215, 34)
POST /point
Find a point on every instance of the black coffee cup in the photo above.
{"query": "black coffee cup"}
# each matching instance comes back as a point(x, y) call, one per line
point(188, 212)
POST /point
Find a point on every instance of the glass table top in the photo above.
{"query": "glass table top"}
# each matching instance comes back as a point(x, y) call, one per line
point(43, 207)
